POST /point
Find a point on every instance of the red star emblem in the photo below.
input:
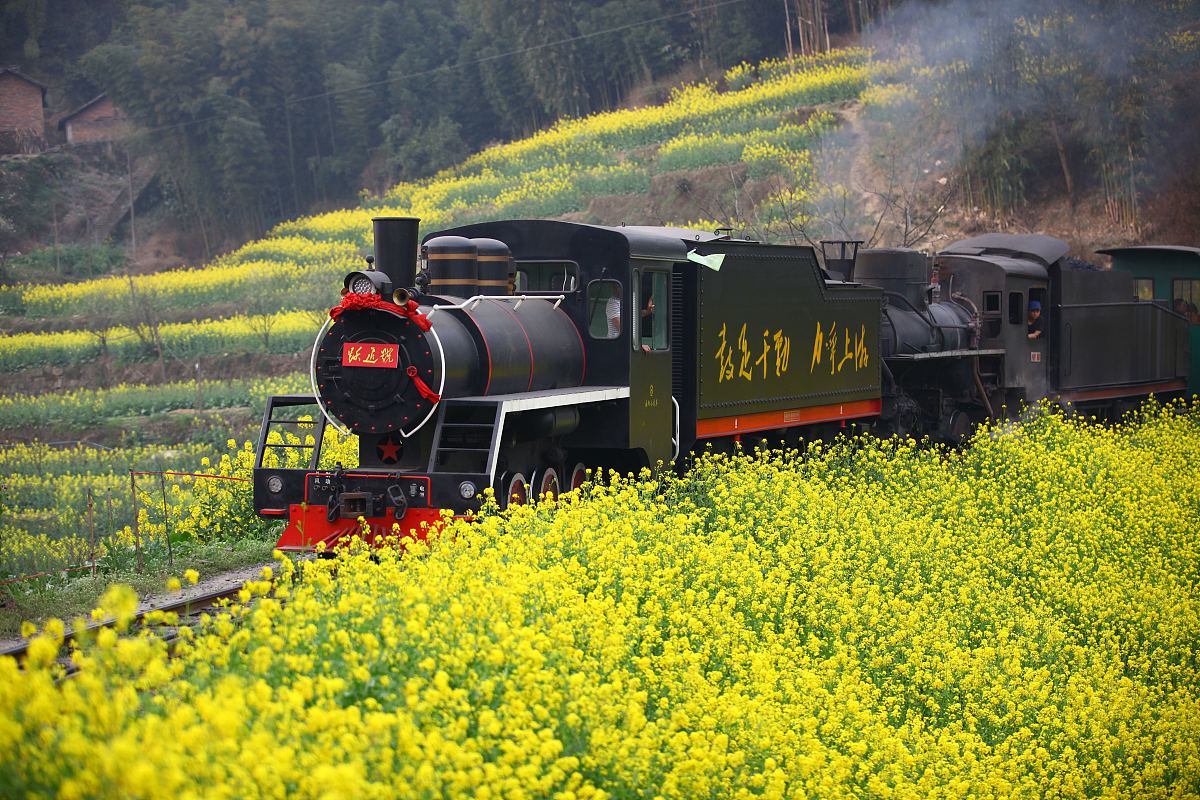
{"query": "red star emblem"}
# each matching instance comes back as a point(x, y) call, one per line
point(389, 450)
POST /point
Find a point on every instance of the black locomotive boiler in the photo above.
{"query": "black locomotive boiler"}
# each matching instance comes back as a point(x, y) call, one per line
point(518, 354)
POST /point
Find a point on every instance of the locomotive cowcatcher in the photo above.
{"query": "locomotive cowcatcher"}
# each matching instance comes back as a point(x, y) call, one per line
point(517, 355)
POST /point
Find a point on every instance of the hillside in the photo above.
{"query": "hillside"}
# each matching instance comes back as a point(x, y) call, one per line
point(828, 146)
point(254, 112)
point(690, 160)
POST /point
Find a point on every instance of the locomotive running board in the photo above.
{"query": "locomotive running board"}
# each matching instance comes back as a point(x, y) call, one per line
point(506, 404)
point(944, 354)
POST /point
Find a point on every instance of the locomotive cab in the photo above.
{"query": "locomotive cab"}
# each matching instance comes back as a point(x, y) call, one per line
point(1001, 276)
point(1088, 317)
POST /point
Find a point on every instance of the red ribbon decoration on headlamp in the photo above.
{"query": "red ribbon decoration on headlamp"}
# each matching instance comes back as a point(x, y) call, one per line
point(422, 387)
point(357, 302)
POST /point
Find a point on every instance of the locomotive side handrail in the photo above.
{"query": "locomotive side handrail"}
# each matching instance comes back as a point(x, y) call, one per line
point(471, 302)
point(675, 438)
point(269, 421)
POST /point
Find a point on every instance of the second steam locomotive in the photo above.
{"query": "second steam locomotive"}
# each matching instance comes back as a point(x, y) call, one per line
point(516, 355)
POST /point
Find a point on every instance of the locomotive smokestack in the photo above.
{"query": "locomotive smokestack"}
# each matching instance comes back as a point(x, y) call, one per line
point(396, 249)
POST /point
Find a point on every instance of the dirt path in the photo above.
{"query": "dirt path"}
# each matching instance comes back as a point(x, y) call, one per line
point(860, 172)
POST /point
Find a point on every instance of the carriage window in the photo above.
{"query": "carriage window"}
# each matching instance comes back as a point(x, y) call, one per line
point(1143, 288)
point(1016, 308)
point(604, 309)
point(1185, 294)
point(652, 297)
point(547, 276)
point(991, 302)
point(1186, 290)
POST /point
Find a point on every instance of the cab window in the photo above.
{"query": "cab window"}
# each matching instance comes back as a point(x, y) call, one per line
point(547, 276)
point(1039, 296)
point(1185, 298)
point(604, 309)
point(652, 299)
point(991, 314)
point(1016, 308)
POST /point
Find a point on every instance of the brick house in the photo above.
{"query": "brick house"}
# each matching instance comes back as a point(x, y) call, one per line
point(22, 117)
point(97, 120)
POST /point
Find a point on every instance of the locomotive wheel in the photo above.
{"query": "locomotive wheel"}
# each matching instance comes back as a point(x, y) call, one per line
point(578, 475)
point(956, 428)
point(547, 482)
point(516, 490)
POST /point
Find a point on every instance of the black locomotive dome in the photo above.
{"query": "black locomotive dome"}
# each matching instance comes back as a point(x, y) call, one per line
point(491, 247)
point(370, 367)
point(453, 266)
point(496, 267)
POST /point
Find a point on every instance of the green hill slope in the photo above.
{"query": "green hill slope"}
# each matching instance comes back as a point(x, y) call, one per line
point(267, 296)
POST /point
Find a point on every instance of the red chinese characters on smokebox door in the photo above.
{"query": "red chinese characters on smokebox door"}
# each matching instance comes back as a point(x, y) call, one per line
point(370, 355)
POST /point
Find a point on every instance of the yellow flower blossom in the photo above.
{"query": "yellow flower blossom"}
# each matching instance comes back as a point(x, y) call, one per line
point(860, 618)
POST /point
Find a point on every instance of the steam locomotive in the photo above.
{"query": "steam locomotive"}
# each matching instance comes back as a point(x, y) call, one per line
point(515, 355)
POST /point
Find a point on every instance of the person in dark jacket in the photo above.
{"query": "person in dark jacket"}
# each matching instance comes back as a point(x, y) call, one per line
point(1033, 326)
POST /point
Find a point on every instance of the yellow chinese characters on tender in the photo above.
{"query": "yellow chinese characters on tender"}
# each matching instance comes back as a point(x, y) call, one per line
point(753, 360)
point(853, 350)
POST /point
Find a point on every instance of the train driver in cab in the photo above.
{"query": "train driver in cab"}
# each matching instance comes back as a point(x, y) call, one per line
point(612, 311)
point(1033, 326)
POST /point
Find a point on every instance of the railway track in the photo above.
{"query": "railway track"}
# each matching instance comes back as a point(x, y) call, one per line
point(188, 609)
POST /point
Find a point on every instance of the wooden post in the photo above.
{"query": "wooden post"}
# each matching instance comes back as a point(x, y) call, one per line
point(162, 482)
point(54, 217)
point(137, 536)
point(132, 221)
point(787, 29)
point(92, 531)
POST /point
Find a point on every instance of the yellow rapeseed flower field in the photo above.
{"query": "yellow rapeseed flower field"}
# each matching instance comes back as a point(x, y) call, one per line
point(45, 490)
point(82, 408)
point(205, 509)
point(863, 619)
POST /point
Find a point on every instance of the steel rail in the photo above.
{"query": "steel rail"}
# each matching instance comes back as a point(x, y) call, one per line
point(189, 606)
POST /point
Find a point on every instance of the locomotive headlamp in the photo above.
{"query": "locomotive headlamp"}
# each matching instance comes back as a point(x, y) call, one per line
point(274, 484)
point(368, 282)
point(467, 490)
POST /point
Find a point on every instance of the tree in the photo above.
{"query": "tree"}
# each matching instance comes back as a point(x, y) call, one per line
point(143, 315)
point(260, 109)
point(424, 148)
point(244, 157)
